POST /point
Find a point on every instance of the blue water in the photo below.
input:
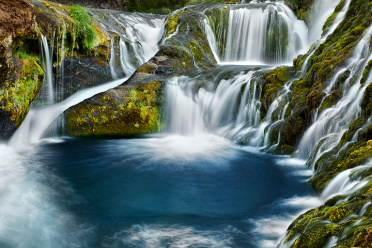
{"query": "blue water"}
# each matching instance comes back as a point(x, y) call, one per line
point(158, 191)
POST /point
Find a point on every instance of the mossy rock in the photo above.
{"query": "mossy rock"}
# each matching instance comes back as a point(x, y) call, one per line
point(336, 218)
point(273, 84)
point(85, 57)
point(125, 110)
point(188, 49)
point(356, 155)
point(327, 59)
point(16, 97)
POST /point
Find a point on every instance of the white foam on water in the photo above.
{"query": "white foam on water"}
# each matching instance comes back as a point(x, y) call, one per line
point(157, 235)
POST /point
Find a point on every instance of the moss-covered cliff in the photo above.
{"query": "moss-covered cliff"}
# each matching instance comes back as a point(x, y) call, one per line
point(22, 75)
point(340, 218)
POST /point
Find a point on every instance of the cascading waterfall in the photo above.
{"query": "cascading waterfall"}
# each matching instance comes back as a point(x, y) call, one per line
point(138, 28)
point(316, 34)
point(39, 120)
point(134, 39)
point(347, 184)
point(208, 110)
point(324, 10)
point(258, 34)
point(331, 123)
point(227, 107)
point(224, 102)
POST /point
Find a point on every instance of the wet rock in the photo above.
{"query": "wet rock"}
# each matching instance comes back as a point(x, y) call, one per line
point(20, 76)
point(123, 110)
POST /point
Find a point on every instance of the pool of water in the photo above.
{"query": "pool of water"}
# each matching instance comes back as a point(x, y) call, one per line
point(153, 191)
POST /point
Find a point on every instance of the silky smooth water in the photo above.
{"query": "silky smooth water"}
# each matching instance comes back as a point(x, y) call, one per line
point(191, 187)
point(153, 191)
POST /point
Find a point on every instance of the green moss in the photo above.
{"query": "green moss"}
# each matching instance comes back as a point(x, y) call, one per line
point(16, 97)
point(172, 24)
point(274, 81)
point(155, 6)
point(330, 19)
point(328, 58)
point(357, 154)
point(85, 29)
point(136, 110)
point(331, 100)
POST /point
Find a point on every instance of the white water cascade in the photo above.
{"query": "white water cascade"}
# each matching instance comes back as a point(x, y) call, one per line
point(329, 126)
point(227, 107)
point(135, 38)
point(143, 35)
point(39, 120)
point(48, 68)
point(347, 184)
point(259, 34)
point(325, 9)
point(316, 35)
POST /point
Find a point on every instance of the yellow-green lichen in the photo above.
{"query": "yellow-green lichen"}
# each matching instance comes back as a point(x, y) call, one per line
point(16, 97)
point(130, 110)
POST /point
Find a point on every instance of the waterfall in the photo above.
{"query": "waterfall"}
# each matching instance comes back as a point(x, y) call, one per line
point(332, 122)
point(138, 30)
point(39, 120)
point(316, 36)
point(258, 34)
point(325, 9)
point(135, 38)
point(346, 183)
point(47, 55)
point(228, 107)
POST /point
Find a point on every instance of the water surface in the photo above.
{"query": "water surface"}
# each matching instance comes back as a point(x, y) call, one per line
point(154, 191)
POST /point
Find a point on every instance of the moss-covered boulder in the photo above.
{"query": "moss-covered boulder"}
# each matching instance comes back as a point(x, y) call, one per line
point(273, 84)
point(186, 45)
point(125, 110)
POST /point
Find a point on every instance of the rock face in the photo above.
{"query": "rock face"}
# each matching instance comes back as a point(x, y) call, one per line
point(20, 76)
point(135, 106)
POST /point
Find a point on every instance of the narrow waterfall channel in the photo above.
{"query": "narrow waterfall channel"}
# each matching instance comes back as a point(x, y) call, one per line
point(205, 179)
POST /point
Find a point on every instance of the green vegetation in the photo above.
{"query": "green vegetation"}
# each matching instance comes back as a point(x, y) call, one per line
point(301, 7)
point(16, 97)
point(85, 30)
point(317, 226)
point(130, 110)
point(307, 92)
point(166, 6)
point(155, 6)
